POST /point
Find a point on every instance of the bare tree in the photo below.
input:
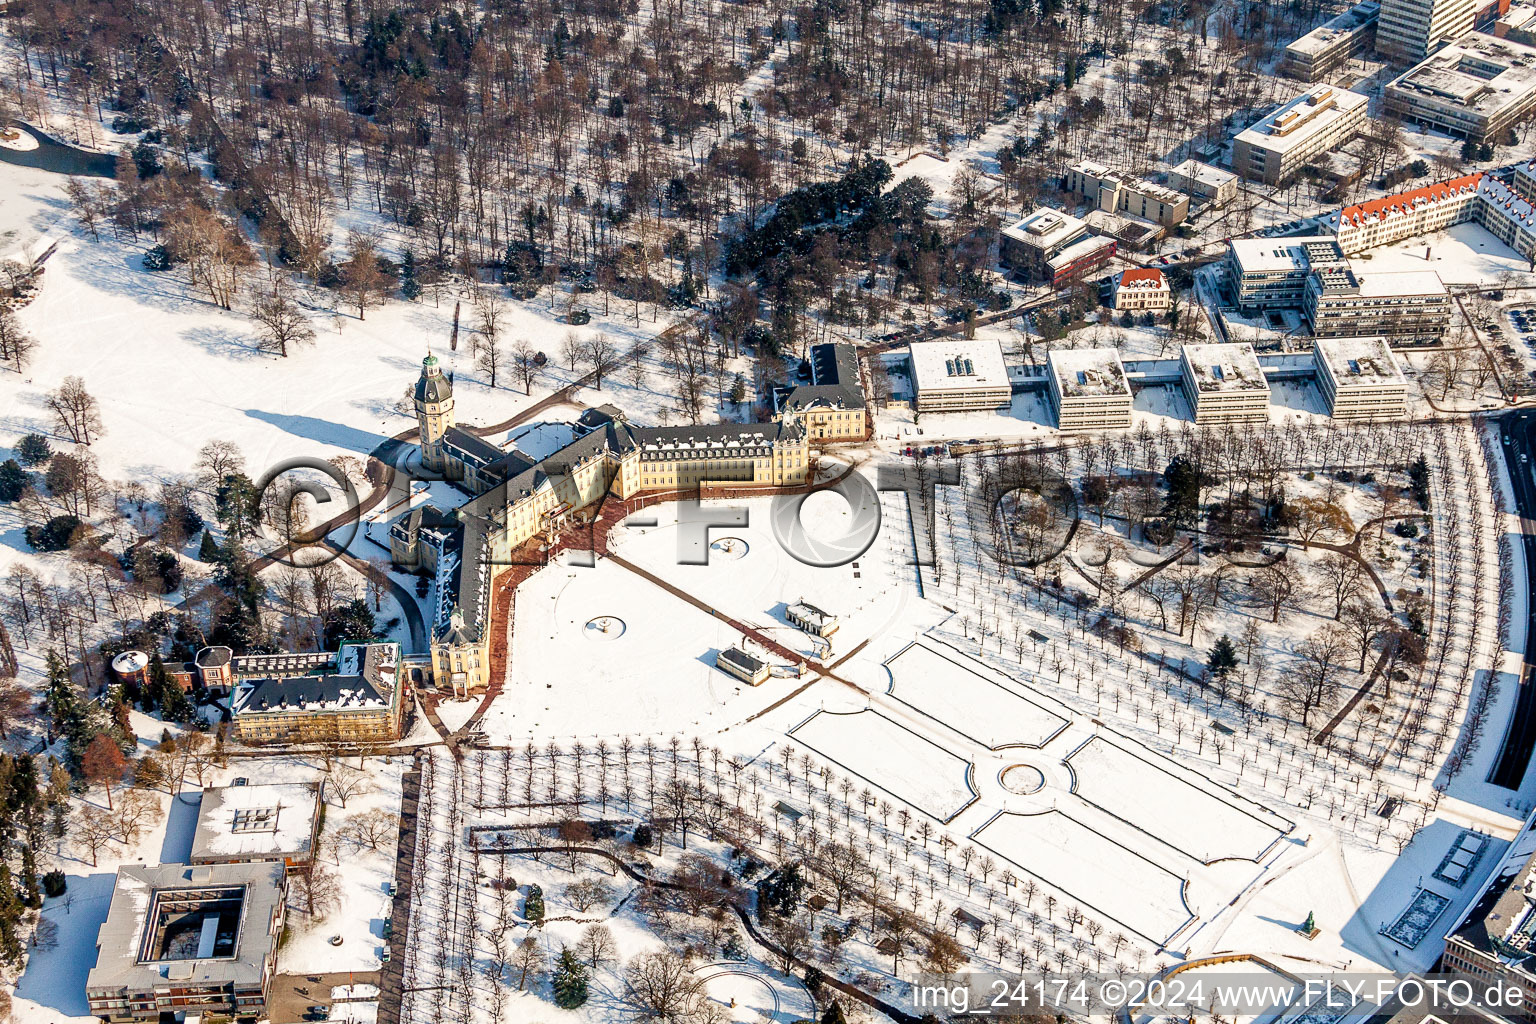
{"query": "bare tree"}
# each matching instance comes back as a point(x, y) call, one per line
point(280, 321)
point(364, 284)
point(602, 357)
point(595, 945)
point(525, 363)
point(16, 345)
point(663, 987)
point(76, 411)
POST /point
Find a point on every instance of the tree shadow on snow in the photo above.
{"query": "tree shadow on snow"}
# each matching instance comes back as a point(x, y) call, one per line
point(55, 977)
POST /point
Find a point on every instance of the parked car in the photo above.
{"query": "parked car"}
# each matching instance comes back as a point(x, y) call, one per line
point(320, 1011)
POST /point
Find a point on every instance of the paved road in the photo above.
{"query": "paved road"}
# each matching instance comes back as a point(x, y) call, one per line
point(391, 980)
point(293, 994)
point(1520, 735)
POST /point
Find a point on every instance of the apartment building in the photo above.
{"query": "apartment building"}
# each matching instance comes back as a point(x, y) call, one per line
point(1360, 379)
point(1224, 383)
point(1417, 211)
point(1410, 307)
point(1317, 121)
point(1088, 389)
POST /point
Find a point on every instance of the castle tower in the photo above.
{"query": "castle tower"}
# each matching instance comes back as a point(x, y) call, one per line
point(434, 411)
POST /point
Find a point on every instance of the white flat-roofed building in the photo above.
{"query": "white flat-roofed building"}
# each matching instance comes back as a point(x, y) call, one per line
point(237, 824)
point(1409, 30)
point(1089, 389)
point(1360, 379)
point(1332, 44)
point(1216, 186)
point(1318, 121)
point(959, 376)
point(1271, 273)
point(1224, 383)
point(1408, 305)
point(1474, 88)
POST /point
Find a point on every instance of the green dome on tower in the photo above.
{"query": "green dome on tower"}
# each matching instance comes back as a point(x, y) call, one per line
point(432, 386)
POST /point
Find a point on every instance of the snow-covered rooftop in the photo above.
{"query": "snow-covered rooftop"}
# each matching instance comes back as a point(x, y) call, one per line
point(1044, 228)
point(1359, 361)
point(1224, 367)
point(1085, 372)
point(1479, 72)
point(957, 365)
point(1268, 255)
point(256, 822)
point(1303, 117)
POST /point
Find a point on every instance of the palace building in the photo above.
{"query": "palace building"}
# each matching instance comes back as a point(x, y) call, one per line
point(515, 499)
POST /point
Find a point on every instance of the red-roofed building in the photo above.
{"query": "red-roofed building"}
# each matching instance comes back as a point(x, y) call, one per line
point(1415, 212)
point(1142, 289)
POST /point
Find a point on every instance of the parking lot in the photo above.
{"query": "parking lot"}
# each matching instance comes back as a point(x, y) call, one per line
point(293, 994)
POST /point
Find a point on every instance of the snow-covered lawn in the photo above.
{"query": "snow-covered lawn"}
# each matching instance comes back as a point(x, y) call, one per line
point(899, 761)
point(1091, 868)
point(1163, 802)
point(971, 704)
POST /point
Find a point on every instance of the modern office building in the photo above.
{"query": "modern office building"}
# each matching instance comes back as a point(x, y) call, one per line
point(188, 942)
point(1053, 247)
point(1271, 273)
point(1491, 941)
point(1330, 46)
point(1410, 30)
point(1474, 88)
point(959, 376)
point(241, 824)
point(1224, 383)
point(1088, 389)
point(1202, 181)
point(1318, 121)
point(1410, 306)
point(1360, 379)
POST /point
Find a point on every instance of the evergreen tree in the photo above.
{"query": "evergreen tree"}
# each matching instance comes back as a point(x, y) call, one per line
point(738, 390)
point(10, 919)
point(69, 715)
point(122, 724)
point(33, 450)
point(237, 505)
point(834, 1014)
point(1223, 658)
point(533, 905)
point(410, 284)
point(13, 480)
point(569, 980)
point(780, 893)
point(208, 550)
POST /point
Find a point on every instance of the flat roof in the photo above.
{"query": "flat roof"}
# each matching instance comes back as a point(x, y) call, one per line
point(1088, 372)
point(1359, 361)
point(120, 940)
point(1079, 249)
point(1329, 32)
point(1479, 72)
point(1399, 282)
point(1045, 227)
point(1303, 117)
point(359, 676)
point(1204, 173)
point(934, 369)
point(256, 822)
point(1224, 368)
point(1262, 255)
